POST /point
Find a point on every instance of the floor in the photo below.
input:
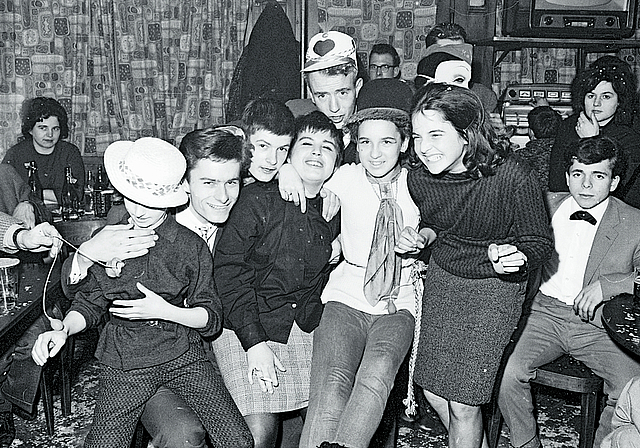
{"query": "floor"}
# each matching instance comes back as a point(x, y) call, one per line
point(558, 418)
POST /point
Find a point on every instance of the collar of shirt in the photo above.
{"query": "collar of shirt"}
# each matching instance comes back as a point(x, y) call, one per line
point(191, 221)
point(346, 135)
point(153, 227)
point(597, 211)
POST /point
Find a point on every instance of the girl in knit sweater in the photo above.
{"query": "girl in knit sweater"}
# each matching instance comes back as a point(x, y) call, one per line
point(483, 216)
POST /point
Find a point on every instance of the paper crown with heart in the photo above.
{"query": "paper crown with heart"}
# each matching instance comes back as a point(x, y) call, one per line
point(329, 50)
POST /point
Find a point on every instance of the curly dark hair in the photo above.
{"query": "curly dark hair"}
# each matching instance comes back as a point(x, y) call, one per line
point(40, 108)
point(544, 121)
point(619, 74)
point(445, 30)
point(487, 147)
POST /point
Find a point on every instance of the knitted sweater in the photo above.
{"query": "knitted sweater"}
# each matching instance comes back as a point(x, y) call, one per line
point(469, 214)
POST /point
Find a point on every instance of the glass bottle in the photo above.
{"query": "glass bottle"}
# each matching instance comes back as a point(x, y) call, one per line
point(88, 193)
point(70, 199)
point(34, 180)
point(99, 197)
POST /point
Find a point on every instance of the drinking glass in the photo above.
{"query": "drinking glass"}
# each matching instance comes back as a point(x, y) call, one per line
point(9, 276)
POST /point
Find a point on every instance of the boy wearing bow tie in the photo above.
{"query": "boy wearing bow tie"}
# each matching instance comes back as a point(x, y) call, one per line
point(597, 247)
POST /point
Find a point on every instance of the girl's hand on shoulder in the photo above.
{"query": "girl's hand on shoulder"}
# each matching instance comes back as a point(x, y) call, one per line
point(263, 364)
point(506, 258)
point(330, 204)
point(291, 187)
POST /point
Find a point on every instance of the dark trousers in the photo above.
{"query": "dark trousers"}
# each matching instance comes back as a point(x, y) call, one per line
point(20, 374)
point(123, 394)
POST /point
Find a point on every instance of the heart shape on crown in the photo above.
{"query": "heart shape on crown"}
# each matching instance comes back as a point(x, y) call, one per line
point(324, 46)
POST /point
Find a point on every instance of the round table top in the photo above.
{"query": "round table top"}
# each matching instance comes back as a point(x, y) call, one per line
point(621, 318)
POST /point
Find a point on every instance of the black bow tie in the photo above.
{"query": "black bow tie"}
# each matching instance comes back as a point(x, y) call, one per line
point(584, 216)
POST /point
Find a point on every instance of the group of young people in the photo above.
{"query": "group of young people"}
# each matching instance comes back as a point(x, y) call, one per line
point(256, 299)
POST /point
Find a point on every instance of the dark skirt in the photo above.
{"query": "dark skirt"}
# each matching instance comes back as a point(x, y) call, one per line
point(466, 324)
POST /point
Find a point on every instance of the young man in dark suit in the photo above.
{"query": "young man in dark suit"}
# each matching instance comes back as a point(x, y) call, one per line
point(597, 242)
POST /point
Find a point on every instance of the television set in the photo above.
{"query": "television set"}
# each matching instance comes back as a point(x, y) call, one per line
point(581, 19)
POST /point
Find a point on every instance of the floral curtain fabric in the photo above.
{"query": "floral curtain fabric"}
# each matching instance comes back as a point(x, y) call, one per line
point(123, 69)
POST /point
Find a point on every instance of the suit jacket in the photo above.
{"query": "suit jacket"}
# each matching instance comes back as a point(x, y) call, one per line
point(616, 247)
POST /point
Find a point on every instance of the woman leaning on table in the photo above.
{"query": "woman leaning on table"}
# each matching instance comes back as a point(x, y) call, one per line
point(44, 126)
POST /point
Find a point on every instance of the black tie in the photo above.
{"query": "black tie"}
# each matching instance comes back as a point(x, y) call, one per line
point(584, 216)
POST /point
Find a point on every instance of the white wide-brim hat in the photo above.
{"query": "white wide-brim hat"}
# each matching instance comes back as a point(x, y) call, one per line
point(147, 171)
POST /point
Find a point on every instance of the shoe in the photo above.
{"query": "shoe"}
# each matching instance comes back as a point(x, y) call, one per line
point(431, 424)
point(408, 418)
point(24, 415)
point(331, 445)
point(7, 429)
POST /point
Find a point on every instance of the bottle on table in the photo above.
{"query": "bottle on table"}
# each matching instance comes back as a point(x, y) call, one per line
point(88, 193)
point(34, 180)
point(101, 194)
point(70, 198)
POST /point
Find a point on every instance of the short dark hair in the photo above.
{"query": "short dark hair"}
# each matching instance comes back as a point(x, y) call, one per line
point(215, 144)
point(622, 79)
point(544, 121)
point(386, 49)
point(596, 149)
point(40, 108)
point(267, 114)
point(487, 146)
point(445, 31)
point(316, 121)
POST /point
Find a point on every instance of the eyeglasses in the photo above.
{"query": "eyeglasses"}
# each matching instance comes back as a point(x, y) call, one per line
point(384, 68)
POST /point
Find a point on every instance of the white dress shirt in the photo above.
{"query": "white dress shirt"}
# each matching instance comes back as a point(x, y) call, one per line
point(563, 274)
point(193, 222)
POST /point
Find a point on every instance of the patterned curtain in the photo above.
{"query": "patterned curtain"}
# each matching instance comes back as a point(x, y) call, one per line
point(123, 69)
point(403, 24)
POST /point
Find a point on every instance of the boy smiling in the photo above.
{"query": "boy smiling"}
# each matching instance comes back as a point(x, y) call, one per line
point(270, 266)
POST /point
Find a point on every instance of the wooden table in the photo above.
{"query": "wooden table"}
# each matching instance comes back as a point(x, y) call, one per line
point(29, 304)
point(621, 318)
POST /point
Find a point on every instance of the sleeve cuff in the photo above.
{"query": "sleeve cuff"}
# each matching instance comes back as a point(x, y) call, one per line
point(76, 274)
point(8, 244)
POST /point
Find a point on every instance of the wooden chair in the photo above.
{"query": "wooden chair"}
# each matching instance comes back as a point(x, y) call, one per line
point(569, 374)
point(63, 361)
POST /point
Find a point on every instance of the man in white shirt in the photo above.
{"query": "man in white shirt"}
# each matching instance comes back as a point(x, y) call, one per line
point(214, 160)
point(597, 241)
